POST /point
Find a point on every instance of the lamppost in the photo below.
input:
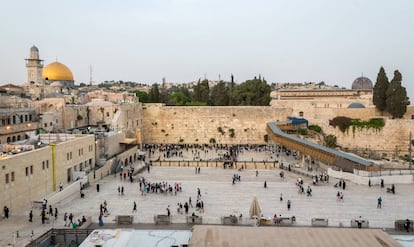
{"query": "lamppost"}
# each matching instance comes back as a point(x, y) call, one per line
point(410, 161)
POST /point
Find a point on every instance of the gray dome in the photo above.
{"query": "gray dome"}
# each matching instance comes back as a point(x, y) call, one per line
point(362, 83)
point(356, 105)
point(34, 48)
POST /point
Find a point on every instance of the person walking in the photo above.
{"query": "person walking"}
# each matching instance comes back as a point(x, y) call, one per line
point(31, 216)
point(288, 204)
point(50, 210)
point(168, 211)
point(56, 213)
point(265, 184)
point(65, 218)
point(379, 202)
point(281, 197)
point(134, 209)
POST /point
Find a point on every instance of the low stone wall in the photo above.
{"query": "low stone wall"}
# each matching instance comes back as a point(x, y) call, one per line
point(388, 179)
point(219, 164)
point(67, 191)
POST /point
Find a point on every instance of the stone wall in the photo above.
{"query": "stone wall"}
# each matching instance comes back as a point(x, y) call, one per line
point(394, 136)
point(172, 124)
point(168, 124)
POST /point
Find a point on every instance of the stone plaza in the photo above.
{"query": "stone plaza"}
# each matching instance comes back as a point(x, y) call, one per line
point(221, 198)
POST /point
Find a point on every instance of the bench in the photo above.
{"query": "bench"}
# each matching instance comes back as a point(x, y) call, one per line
point(401, 225)
point(365, 223)
point(229, 220)
point(265, 221)
point(194, 219)
point(319, 222)
point(285, 220)
point(162, 219)
point(124, 219)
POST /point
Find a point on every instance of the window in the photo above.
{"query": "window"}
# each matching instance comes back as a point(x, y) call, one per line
point(67, 156)
point(47, 164)
point(412, 116)
point(43, 165)
point(301, 114)
point(45, 124)
point(7, 178)
point(70, 155)
point(31, 170)
point(27, 171)
point(12, 176)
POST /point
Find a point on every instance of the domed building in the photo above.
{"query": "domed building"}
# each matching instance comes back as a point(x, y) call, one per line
point(58, 72)
point(53, 80)
point(356, 105)
point(362, 83)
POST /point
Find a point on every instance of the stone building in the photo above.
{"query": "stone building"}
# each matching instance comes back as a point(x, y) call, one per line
point(17, 117)
point(33, 174)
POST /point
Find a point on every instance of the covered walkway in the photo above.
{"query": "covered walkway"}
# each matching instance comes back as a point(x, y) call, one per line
point(332, 157)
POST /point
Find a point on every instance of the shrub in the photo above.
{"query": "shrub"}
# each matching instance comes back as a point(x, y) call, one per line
point(342, 122)
point(315, 128)
point(303, 132)
point(231, 133)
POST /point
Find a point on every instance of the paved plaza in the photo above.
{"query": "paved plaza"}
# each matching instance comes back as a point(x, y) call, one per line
point(222, 198)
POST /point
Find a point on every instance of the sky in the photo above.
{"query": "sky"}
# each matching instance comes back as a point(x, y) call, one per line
point(334, 41)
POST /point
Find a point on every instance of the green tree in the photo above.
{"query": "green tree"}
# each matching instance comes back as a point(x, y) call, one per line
point(230, 90)
point(397, 100)
point(202, 92)
point(154, 94)
point(252, 92)
point(380, 90)
point(142, 96)
point(219, 94)
point(178, 98)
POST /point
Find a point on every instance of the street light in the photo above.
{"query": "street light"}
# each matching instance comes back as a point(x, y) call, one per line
point(410, 161)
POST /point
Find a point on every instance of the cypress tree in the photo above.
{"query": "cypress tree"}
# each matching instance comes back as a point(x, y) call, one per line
point(397, 100)
point(380, 90)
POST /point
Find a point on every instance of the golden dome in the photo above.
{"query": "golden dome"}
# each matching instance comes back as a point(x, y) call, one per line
point(57, 72)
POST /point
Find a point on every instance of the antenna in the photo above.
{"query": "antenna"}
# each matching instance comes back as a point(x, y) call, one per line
point(90, 75)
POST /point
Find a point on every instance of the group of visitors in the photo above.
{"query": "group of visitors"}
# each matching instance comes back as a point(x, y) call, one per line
point(147, 187)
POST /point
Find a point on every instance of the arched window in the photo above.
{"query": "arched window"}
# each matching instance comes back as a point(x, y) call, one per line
point(13, 138)
point(8, 139)
point(14, 120)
